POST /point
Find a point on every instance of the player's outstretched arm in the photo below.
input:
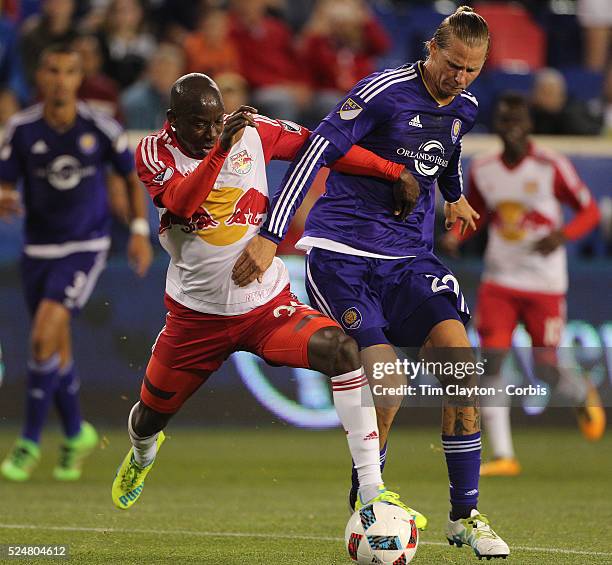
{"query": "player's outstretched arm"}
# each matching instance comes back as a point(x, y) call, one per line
point(140, 252)
point(10, 204)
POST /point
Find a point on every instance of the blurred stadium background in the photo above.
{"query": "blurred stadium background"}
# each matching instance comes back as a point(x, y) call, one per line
point(133, 51)
point(555, 51)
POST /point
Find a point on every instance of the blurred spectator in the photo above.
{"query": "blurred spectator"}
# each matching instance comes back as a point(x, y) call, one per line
point(595, 17)
point(269, 60)
point(11, 73)
point(234, 90)
point(175, 19)
point(209, 49)
point(340, 43)
point(9, 105)
point(126, 45)
point(296, 14)
point(554, 113)
point(145, 102)
point(99, 90)
point(53, 25)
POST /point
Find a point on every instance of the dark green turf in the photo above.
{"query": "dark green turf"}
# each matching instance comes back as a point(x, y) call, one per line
point(293, 483)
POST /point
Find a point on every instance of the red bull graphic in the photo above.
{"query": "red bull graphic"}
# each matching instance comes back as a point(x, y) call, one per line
point(201, 220)
point(241, 162)
point(250, 209)
point(224, 218)
point(514, 220)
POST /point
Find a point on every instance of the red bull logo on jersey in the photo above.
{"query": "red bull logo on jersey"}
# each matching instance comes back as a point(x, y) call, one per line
point(250, 209)
point(201, 220)
point(241, 162)
point(231, 212)
point(514, 220)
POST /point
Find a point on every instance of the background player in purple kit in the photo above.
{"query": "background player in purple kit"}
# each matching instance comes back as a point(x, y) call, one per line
point(58, 152)
point(376, 274)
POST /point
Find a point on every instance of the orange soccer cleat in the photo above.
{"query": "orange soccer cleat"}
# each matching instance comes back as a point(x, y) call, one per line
point(502, 467)
point(591, 417)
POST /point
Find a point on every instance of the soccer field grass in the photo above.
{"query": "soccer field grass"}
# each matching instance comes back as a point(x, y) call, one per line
point(220, 496)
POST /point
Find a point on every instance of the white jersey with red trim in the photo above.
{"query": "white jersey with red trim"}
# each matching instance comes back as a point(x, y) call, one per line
point(523, 203)
point(204, 248)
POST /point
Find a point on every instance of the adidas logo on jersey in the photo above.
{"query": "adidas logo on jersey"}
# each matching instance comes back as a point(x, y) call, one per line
point(39, 147)
point(416, 122)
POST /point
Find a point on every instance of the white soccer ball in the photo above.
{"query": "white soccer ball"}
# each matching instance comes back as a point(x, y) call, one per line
point(381, 534)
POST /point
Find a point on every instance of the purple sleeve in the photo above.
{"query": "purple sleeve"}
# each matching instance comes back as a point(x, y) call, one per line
point(351, 120)
point(120, 155)
point(11, 168)
point(450, 182)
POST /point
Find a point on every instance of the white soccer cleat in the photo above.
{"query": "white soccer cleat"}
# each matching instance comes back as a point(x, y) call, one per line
point(476, 532)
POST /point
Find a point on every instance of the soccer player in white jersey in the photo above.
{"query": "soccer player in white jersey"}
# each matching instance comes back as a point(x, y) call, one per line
point(519, 194)
point(208, 180)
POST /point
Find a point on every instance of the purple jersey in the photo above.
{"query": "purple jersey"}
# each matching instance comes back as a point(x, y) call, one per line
point(63, 178)
point(392, 114)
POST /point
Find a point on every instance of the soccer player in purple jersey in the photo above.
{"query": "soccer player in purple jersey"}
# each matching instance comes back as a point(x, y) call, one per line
point(58, 151)
point(375, 273)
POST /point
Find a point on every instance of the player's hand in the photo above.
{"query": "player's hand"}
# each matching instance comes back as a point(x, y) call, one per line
point(234, 124)
point(449, 244)
point(254, 261)
point(462, 211)
point(548, 244)
point(10, 203)
point(406, 192)
point(140, 254)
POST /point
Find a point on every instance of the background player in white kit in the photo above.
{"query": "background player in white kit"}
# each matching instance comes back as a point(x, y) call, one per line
point(520, 193)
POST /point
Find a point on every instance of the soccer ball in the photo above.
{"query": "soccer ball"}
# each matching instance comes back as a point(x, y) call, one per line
point(381, 534)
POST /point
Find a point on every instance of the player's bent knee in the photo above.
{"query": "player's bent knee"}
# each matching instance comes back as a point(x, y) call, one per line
point(50, 325)
point(347, 353)
point(43, 345)
point(333, 352)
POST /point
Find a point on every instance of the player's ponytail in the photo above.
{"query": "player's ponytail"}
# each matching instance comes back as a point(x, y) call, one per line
point(466, 25)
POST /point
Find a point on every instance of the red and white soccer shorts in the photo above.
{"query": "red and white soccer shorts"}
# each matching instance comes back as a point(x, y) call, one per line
point(501, 308)
point(192, 345)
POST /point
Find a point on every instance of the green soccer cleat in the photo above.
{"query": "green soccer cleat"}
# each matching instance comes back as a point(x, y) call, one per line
point(73, 452)
point(476, 532)
point(393, 498)
point(129, 480)
point(20, 462)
